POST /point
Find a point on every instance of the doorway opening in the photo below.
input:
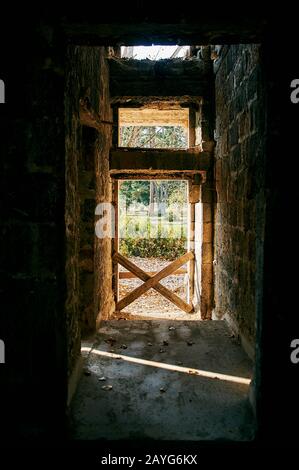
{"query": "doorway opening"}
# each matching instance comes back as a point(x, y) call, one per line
point(154, 236)
point(131, 357)
point(154, 52)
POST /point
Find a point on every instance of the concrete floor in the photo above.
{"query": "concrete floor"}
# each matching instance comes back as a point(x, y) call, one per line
point(150, 402)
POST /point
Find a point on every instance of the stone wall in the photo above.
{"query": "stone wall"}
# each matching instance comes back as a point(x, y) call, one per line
point(87, 182)
point(240, 153)
point(104, 300)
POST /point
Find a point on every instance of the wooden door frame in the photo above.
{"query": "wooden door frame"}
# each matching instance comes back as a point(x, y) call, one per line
point(191, 184)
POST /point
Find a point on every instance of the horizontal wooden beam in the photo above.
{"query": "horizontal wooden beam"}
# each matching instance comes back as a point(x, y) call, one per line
point(158, 161)
point(175, 77)
point(129, 275)
point(153, 117)
point(159, 101)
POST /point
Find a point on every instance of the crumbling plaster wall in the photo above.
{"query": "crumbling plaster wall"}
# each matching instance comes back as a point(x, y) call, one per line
point(239, 211)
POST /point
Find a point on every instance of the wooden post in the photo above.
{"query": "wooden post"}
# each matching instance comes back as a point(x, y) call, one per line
point(194, 192)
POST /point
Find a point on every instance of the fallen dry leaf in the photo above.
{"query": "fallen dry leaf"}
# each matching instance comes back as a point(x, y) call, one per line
point(107, 387)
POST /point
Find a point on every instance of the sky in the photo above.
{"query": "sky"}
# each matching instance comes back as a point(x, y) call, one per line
point(156, 52)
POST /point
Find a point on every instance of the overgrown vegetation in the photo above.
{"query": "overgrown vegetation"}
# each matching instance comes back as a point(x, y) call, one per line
point(165, 248)
point(152, 221)
point(154, 137)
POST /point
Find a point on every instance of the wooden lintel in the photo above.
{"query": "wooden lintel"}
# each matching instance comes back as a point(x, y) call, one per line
point(151, 175)
point(158, 161)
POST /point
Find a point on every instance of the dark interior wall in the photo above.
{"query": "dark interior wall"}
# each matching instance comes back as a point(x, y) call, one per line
point(86, 182)
point(277, 378)
point(32, 265)
point(239, 212)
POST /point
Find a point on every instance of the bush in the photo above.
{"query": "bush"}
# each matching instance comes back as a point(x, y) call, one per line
point(166, 248)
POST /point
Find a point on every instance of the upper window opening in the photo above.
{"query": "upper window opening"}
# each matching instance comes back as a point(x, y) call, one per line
point(154, 128)
point(154, 52)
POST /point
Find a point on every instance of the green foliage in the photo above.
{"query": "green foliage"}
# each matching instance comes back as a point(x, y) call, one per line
point(153, 230)
point(165, 248)
point(135, 191)
point(153, 137)
point(143, 227)
point(173, 193)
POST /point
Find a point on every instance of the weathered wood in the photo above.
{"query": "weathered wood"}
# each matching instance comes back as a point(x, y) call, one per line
point(138, 175)
point(153, 117)
point(164, 102)
point(130, 275)
point(153, 281)
point(158, 287)
point(160, 161)
point(191, 248)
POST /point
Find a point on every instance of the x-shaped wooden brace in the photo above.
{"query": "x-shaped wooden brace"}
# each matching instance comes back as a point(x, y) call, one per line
point(153, 282)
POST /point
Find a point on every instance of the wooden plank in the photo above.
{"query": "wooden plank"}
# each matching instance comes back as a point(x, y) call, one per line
point(153, 117)
point(130, 275)
point(158, 287)
point(126, 160)
point(152, 281)
point(191, 247)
